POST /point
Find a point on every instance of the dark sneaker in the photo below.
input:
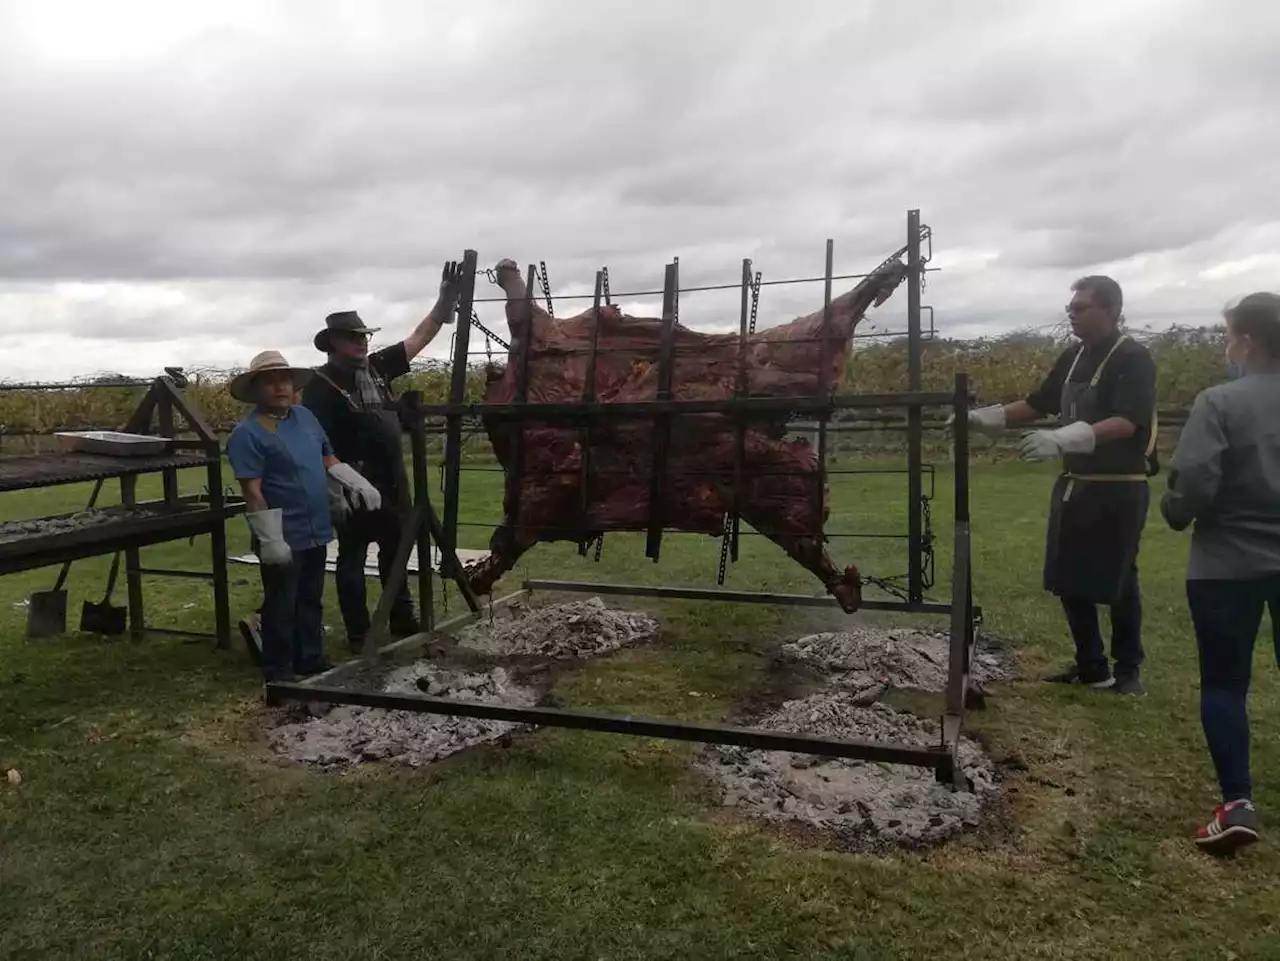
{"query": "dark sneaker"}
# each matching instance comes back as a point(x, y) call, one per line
point(404, 627)
point(1072, 675)
point(1129, 684)
point(355, 643)
point(314, 669)
point(279, 677)
point(1234, 826)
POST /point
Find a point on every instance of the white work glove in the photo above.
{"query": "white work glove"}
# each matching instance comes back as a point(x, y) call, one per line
point(268, 528)
point(361, 493)
point(1042, 445)
point(988, 420)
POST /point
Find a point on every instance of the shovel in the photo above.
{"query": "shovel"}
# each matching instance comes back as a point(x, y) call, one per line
point(105, 617)
point(47, 610)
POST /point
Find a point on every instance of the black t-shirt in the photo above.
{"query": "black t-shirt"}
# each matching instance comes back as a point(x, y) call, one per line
point(1127, 388)
point(366, 437)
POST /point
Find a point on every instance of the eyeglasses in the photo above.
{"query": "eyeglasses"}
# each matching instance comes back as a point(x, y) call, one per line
point(1074, 309)
point(354, 335)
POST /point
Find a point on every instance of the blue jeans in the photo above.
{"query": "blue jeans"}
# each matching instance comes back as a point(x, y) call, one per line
point(292, 615)
point(1226, 616)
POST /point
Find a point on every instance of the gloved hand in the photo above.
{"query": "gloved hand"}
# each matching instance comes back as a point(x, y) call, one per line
point(268, 527)
point(450, 291)
point(988, 420)
point(339, 506)
point(1042, 445)
point(361, 493)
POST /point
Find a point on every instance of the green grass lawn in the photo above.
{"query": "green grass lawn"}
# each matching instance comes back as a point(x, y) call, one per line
point(152, 823)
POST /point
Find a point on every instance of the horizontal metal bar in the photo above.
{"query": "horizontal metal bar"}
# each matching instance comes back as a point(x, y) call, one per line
point(195, 575)
point(575, 531)
point(175, 632)
point(700, 289)
point(724, 406)
point(918, 755)
point(408, 643)
point(735, 597)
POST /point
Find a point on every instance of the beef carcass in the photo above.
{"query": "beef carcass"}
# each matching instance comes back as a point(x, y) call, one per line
point(780, 477)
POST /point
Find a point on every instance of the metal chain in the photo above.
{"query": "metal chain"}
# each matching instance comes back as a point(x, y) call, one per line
point(675, 296)
point(604, 279)
point(724, 548)
point(755, 303)
point(927, 567)
point(599, 547)
point(545, 281)
point(475, 321)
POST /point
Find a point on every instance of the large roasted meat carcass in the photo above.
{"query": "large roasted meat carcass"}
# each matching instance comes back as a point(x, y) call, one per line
point(780, 478)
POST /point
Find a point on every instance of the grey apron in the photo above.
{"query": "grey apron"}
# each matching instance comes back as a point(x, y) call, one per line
point(1095, 520)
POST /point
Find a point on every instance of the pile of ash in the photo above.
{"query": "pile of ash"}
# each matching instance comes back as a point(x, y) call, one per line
point(579, 629)
point(349, 735)
point(867, 659)
point(866, 804)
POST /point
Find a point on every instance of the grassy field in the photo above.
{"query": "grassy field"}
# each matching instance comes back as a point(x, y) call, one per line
point(152, 823)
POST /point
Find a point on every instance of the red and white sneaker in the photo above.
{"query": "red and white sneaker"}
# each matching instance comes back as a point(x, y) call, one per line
point(1234, 825)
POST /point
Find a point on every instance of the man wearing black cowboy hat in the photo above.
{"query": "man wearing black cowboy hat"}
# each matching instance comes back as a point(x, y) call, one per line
point(350, 395)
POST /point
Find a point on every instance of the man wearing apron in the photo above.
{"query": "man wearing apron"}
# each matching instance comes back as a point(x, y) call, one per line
point(1103, 394)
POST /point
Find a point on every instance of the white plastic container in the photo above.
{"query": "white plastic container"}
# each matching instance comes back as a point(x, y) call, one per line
point(112, 442)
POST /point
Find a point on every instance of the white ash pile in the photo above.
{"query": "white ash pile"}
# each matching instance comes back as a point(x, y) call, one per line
point(577, 629)
point(867, 659)
point(866, 804)
point(350, 735)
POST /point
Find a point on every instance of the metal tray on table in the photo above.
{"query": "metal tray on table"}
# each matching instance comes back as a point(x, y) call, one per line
point(113, 442)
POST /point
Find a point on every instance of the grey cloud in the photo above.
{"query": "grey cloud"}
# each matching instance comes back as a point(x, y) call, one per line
point(329, 155)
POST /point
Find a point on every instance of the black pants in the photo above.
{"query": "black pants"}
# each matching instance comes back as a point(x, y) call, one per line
point(1126, 631)
point(1226, 616)
point(382, 527)
point(292, 614)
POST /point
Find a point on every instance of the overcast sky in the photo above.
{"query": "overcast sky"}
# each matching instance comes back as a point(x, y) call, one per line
point(188, 183)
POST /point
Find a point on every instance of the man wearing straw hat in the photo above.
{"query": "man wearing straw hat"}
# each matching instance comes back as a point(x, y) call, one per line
point(351, 396)
point(286, 468)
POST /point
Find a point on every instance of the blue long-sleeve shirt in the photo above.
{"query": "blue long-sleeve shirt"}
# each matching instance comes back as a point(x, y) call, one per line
point(1225, 477)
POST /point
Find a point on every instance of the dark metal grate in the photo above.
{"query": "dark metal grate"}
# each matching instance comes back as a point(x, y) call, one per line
point(46, 470)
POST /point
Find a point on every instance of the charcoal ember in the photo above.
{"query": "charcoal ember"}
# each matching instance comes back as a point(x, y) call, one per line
point(783, 496)
point(67, 524)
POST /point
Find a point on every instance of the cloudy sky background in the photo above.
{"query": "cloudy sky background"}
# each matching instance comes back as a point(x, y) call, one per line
point(188, 183)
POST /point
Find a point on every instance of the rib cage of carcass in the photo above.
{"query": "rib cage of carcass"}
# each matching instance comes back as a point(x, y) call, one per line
point(780, 477)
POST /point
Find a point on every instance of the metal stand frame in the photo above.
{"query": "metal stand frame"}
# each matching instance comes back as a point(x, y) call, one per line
point(164, 403)
point(964, 616)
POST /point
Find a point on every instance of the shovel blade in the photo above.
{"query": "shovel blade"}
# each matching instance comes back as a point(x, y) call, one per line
point(103, 619)
point(47, 614)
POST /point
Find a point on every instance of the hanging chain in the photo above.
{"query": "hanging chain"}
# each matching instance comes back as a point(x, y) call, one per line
point(724, 548)
point(604, 280)
point(599, 546)
point(475, 322)
point(675, 295)
point(926, 543)
point(545, 281)
point(755, 303)
point(926, 236)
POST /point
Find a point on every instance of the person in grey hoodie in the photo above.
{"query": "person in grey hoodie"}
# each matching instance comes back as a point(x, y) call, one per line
point(1225, 477)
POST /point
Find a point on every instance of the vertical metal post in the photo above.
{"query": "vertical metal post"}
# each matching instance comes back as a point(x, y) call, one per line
point(412, 401)
point(132, 562)
point(662, 422)
point(169, 476)
point(218, 550)
point(740, 432)
point(824, 383)
point(915, 414)
point(457, 394)
point(588, 397)
point(962, 627)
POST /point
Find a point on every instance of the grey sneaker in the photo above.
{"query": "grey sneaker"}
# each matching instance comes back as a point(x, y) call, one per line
point(1129, 684)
